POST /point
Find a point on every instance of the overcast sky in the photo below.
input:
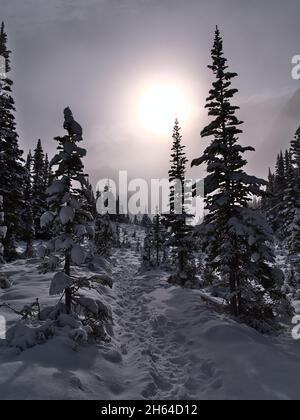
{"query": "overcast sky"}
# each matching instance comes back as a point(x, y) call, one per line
point(97, 55)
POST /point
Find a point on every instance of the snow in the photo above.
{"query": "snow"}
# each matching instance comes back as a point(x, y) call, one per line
point(56, 187)
point(67, 215)
point(166, 343)
point(3, 232)
point(47, 219)
point(78, 255)
point(59, 283)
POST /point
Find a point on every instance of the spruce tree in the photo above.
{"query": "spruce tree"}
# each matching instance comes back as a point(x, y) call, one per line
point(181, 239)
point(280, 185)
point(295, 151)
point(39, 186)
point(146, 221)
point(177, 171)
point(289, 204)
point(158, 238)
point(293, 203)
point(11, 169)
point(268, 201)
point(237, 237)
point(47, 171)
point(147, 250)
point(28, 222)
point(67, 198)
point(104, 235)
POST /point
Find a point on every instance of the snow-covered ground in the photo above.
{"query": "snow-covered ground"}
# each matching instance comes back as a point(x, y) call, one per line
point(166, 344)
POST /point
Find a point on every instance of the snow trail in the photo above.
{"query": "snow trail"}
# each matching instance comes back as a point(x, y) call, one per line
point(151, 339)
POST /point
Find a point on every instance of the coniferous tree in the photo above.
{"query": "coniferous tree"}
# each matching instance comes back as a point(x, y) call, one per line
point(280, 185)
point(67, 215)
point(147, 250)
point(289, 205)
point(39, 186)
point(158, 238)
point(28, 227)
point(295, 151)
point(237, 237)
point(11, 169)
point(180, 240)
point(47, 171)
point(104, 235)
point(268, 200)
point(293, 203)
point(146, 221)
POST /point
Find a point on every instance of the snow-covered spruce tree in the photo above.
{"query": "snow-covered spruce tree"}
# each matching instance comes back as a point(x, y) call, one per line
point(146, 221)
point(158, 238)
point(147, 250)
point(237, 237)
point(289, 205)
point(27, 216)
point(47, 171)
point(293, 240)
point(280, 185)
point(39, 186)
point(104, 235)
point(295, 152)
point(267, 201)
point(292, 201)
point(11, 168)
point(180, 240)
point(71, 223)
point(295, 149)
point(3, 230)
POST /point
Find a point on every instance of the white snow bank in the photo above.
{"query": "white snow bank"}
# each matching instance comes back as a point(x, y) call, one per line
point(59, 283)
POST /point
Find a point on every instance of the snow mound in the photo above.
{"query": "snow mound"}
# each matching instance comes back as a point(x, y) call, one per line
point(59, 283)
point(67, 215)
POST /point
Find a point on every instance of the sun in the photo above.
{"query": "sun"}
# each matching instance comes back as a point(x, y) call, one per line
point(159, 105)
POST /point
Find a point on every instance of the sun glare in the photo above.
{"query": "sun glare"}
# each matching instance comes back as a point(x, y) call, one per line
point(160, 105)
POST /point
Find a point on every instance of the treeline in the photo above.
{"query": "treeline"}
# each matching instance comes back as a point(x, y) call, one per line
point(282, 201)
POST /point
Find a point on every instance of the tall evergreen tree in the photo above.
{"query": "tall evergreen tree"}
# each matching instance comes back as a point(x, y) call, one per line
point(181, 240)
point(28, 222)
point(237, 236)
point(177, 171)
point(104, 235)
point(11, 169)
point(289, 204)
point(295, 151)
point(267, 201)
point(158, 238)
point(39, 185)
point(47, 171)
point(67, 199)
point(146, 221)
